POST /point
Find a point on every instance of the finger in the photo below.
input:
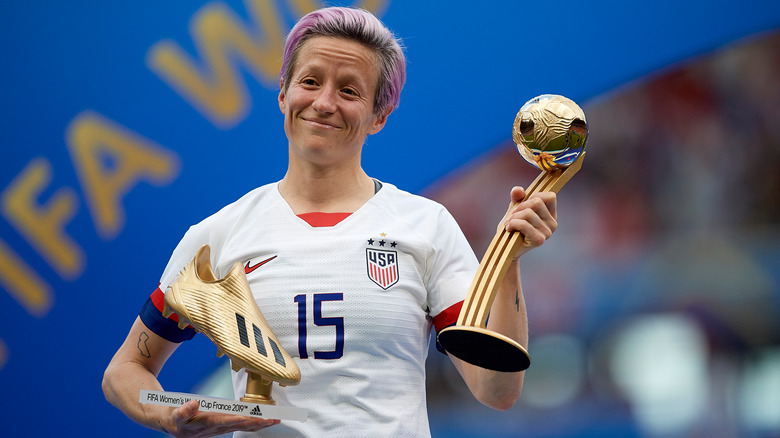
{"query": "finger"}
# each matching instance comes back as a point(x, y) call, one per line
point(214, 423)
point(534, 230)
point(544, 205)
point(517, 194)
point(534, 221)
point(255, 424)
point(538, 205)
point(546, 208)
point(222, 423)
point(550, 200)
point(186, 412)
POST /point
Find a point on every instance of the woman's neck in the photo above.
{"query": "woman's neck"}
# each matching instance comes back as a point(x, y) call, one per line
point(326, 192)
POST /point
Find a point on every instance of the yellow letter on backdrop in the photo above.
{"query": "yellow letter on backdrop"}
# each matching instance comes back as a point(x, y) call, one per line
point(110, 161)
point(44, 225)
point(216, 88)
point(24, 284)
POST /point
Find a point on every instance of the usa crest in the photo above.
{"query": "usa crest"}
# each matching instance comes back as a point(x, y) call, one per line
point(382, 266)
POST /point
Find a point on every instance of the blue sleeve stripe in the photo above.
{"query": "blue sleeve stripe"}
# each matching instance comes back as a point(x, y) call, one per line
point(162, 326)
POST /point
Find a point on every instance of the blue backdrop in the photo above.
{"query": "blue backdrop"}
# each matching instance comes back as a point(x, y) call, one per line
point(125, 122)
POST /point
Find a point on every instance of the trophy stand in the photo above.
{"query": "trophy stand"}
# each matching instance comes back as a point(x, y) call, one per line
point(469, 339)
point(258, 389)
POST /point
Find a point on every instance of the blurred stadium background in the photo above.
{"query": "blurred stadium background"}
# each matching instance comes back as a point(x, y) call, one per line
point(654, 310)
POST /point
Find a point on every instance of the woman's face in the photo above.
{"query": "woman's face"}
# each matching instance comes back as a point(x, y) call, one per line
point(328, 104)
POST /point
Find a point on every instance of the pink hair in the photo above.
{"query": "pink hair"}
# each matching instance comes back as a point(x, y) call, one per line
point(361, 26)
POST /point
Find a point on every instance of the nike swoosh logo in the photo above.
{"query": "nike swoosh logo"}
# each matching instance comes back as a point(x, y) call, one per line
point(248, 269)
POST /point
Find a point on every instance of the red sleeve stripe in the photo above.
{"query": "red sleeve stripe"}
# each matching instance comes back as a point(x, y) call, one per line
point(447, 317)
point(158, 299)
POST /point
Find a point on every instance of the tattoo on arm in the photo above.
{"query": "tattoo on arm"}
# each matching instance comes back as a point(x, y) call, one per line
point(517, 299)
point(142, 347)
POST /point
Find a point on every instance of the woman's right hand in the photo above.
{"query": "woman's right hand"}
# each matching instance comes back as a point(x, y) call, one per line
point(188, 421)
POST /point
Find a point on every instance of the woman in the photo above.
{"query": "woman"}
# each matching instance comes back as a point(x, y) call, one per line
point(360, 339)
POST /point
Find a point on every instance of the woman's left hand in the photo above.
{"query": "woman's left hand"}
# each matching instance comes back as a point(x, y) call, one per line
point(535, 218)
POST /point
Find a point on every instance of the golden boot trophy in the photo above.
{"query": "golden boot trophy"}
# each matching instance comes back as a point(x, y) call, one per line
point(551, 133)
point(226, 312)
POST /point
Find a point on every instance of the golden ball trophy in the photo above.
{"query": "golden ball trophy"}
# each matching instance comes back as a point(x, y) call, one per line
point(550, 132)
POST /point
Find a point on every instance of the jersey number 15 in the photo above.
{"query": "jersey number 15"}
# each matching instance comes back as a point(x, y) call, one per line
point(319, 321)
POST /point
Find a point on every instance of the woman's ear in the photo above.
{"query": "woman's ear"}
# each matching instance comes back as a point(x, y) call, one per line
point(380, 121)
point(281, 95)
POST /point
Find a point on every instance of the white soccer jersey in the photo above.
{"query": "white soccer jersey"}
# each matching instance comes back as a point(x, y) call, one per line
point(352, 303)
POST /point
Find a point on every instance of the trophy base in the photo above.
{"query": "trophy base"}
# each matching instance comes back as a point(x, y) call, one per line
point(484, 348)
point(224, 406)
point(258, 399)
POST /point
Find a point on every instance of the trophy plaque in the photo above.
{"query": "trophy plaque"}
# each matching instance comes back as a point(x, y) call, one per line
point(226, 312)
point(550, 132)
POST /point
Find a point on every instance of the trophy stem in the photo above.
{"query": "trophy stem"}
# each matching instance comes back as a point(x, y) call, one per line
point(469, 340)
point(258, 389)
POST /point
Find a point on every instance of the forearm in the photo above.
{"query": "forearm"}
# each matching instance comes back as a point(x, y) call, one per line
point(535, 219)
point(134, 367)
point(508, 314)
point(500, 390)
point(122, 384)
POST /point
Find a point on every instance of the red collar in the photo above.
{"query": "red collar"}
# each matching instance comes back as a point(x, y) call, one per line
point(318, 219)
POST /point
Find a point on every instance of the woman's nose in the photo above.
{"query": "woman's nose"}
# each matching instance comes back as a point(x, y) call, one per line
point(325, 101)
